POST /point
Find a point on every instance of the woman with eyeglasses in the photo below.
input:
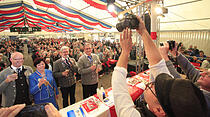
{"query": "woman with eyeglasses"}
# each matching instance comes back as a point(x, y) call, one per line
point(42, 84)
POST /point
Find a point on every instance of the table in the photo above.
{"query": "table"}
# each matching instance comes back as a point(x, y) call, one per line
point(106, 108)
point(101, 111)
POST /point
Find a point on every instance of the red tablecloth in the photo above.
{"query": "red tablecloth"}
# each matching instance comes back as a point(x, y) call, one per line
point(134, 91)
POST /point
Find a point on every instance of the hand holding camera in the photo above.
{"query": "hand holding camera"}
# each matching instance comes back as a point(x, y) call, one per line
point(164, 49)
point(171, 46)
point(11, 111)
point(130, 21)
point(37, 110)
point(171, 43)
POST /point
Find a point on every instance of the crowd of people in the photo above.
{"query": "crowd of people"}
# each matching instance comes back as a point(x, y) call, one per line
point(59, 63)
point(195, 55)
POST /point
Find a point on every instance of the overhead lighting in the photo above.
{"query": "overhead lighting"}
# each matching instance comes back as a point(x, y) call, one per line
point(110, 5)
point(158, 10)
point(111, 8)
point(120, 16)
point(161, 10)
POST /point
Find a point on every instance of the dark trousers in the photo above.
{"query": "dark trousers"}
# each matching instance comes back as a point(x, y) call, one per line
point(89, 90)
point(0, 99)
point(65, 92)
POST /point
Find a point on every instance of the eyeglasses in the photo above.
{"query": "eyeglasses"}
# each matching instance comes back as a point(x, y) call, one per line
point(149, 85)
point(88, 48)
point(16, 59)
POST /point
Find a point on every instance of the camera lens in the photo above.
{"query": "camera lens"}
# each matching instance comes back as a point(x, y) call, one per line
point(120, 27)
point(129, 21)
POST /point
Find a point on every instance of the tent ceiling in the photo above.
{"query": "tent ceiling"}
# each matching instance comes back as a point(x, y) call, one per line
point(186, 15)
point(92, 16)
point(51, 15)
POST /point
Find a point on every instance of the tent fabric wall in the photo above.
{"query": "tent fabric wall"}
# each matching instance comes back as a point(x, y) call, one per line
point(199, 38)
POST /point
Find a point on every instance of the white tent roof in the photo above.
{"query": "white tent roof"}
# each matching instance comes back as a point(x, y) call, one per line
point(186, 15)
point(182, 14)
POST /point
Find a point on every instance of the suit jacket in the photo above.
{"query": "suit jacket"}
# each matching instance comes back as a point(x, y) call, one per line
point(8, 90)
point(60, 66)
point(88, 76)
point(44, 91)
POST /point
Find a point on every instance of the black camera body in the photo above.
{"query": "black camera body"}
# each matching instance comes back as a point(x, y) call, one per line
point(171, 44)
point(37, 110)
point(129, 21)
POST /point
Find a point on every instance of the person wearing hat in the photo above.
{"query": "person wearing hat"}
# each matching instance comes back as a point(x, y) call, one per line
point(165, 96)
point(201, 79)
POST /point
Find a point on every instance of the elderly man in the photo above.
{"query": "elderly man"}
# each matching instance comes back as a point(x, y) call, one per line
point(14, 82)
point(88, 66)
point(164, 95)
point(64, 70)
point(202, 79)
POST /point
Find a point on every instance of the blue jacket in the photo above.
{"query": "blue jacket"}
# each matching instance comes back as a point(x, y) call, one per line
point(44, 91)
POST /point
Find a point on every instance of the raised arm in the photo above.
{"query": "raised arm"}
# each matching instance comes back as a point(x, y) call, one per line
point(126, 45)
point(156, 62)
point(151, 50)
point(190, 71)
point(125, 108)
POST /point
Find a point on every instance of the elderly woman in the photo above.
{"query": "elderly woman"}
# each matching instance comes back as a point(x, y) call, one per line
point(42, 84)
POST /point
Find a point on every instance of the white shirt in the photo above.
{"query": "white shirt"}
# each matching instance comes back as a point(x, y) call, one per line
point(15, 68)
point(157, 69)
point(124, 105)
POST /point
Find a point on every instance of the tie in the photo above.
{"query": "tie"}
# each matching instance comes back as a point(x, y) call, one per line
point(67, 62)
point(90, 58)
point(18, 70)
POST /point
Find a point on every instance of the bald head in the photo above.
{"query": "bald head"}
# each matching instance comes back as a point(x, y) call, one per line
point(17, 59)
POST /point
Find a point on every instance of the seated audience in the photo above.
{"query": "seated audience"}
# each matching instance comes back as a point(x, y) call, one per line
point(195, 51)
point(201, 57)
point(206, 63)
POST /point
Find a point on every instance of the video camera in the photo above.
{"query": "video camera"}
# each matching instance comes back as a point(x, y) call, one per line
point(129, 21)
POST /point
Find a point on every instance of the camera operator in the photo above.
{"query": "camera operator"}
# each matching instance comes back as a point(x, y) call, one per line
point(191, 72)
point(200, 79)
point(165, 96)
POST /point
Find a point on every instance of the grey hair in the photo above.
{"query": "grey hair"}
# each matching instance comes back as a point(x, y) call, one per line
point(64, 47)
point(87, 44)
point(15, 53)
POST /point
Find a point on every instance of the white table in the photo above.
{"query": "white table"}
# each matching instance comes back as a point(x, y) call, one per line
point(101, 111)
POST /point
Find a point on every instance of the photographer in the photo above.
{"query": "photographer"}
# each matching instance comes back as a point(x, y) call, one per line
point(191, 72)
point(200, 79)
point(165, 96)
point(14, 110)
